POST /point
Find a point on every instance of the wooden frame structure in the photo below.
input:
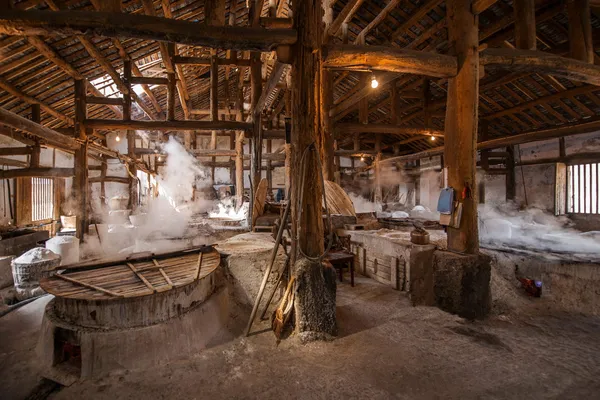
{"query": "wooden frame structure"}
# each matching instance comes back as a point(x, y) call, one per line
point(472, 74)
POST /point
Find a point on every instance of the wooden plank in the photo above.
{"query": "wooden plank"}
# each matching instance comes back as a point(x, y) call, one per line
point(480, 6)
point(38, 172)
point(162, 272)
point(119, 25)
point(198, 265)
point(146, 80)
point(139, 275)
point(260, 197)
point(580, 30)
point(114, 101)
point(87, 285)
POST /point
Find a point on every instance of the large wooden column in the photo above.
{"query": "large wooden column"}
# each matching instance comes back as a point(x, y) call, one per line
point(315, 288)
point(327, 152)
point(133, 182)
point(525, 24)
point(79, 190)
point(378, 198)
point(580, 30)
point(214, 107)
point(461, 123)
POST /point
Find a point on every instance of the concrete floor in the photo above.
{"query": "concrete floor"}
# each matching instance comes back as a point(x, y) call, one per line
point(386, 348)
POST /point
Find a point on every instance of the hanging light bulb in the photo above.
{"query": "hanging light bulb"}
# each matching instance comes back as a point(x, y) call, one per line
point(374, 82)
point(159, 158)
point(362, 158)
point(118, 138)
point(432, 138)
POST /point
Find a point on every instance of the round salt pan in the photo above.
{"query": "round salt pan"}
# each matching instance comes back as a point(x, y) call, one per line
point(37, 254)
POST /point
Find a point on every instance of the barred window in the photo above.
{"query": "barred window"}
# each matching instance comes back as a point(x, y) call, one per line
point(583, 191)
point(42, 199)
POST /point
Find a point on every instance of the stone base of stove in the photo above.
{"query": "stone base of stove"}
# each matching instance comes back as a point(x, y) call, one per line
point(102, 351)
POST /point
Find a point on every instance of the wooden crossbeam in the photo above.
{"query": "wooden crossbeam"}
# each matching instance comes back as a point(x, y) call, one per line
point(538, 61)
point(141, 277)
point(88, 285)
point(110, 124)
point(385, 58)
point(38, 172)
point(386, 128)
point(43, 23)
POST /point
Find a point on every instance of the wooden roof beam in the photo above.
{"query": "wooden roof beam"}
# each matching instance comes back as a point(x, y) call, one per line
point(44, 23)
point(385, 58)
point(538, 61)
point(276, 74)
point(22, 96)
point(592, 125)
point(344, 17)
point(168, 125)
point(386, 128)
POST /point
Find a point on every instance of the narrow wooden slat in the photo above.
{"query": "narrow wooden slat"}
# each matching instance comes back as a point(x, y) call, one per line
point(87, 285)
point(162, 272)
point(139, 275)
point(198, 265)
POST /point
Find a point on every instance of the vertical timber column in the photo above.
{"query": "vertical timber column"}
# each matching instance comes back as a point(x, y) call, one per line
point(171, 88)
point(214, 106)
point(315, 291)
point(269, 167)
point(580, 30)
point(80, 181)
point(256, 91)
point(525, 24)
point(378, 194)
point(133, 182)
point(327, 152)
point(36, 116)
point(461, 123)
point(306, 127)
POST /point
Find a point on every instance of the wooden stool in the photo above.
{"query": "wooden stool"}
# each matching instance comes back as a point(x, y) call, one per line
point(339, 260)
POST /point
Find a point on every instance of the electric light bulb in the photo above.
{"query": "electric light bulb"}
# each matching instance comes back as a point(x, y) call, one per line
point(362, 159)
point(374, 82)
point(159, 158)
point(432, 138)
point(118, 138)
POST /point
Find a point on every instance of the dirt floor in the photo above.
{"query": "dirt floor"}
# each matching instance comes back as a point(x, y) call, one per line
point(385, 348)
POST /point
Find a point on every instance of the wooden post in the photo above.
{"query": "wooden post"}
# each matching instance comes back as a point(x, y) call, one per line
point(510, 174)
point(133, 182)
point(337, 171)
point(378, 198)
point(461, 123)
point(214, 105)
point(171, 89)
point(327, 152)
point(36, 116)
point(256, 141)
point(269, 167)
point(580, 30)
point(315, 291)
point(127, 93)
point(525, 37)
point(80, 181)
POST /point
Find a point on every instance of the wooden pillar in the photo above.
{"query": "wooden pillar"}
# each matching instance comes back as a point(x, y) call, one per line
point(256, 140)
point(461, 123)
point(80, 181)
point(378, 198)
point(511, 188)
point(315, 291)
point(214, 106)
point(171, 89)
point(110, 6)
point(103, 173)
point(327, 152)
point(580, 30)
point(6, 4)
point(337, 171)
point(306, 110)
point(269, 167)
point(133, 182)
point(36, 116)
point(525, 37)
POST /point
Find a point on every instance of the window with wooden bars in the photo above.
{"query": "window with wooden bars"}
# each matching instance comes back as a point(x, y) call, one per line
point(583, 188)
point(42, 199)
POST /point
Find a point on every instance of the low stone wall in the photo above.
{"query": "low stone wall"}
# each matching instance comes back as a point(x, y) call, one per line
point(567, 285)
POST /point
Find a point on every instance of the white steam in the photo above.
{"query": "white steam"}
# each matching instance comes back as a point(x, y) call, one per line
point(533, 229)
